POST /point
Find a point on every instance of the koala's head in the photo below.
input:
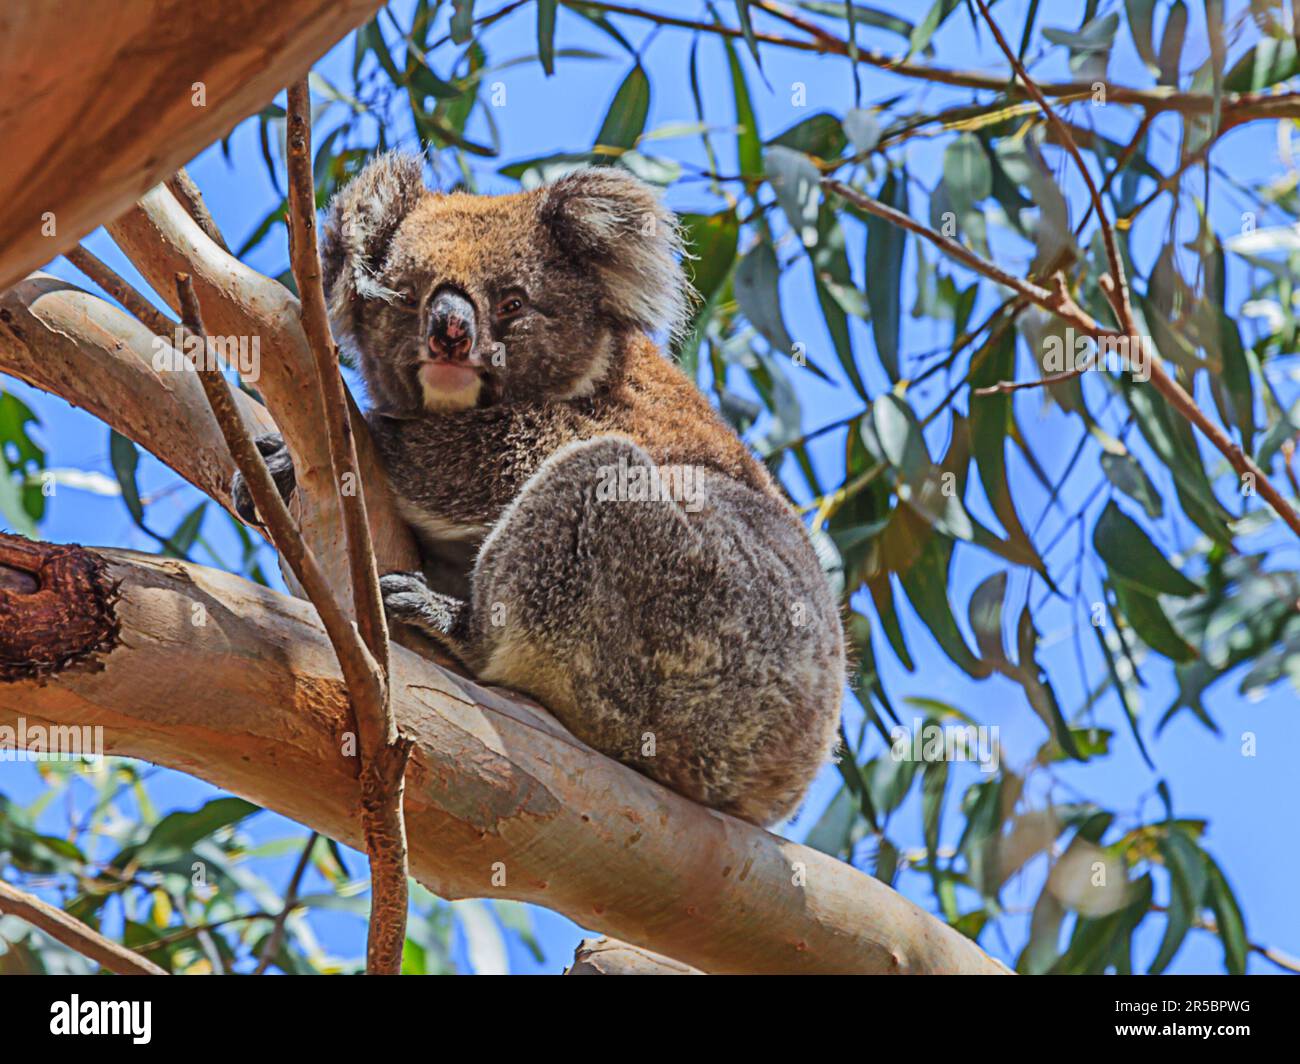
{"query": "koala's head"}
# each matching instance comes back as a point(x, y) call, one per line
point(458, 300)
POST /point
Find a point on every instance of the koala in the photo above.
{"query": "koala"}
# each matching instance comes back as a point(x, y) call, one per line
point(591, 532)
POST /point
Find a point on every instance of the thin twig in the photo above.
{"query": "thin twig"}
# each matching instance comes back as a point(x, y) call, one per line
point(73, 933)
point(383, 752)
point(359, 669)
point(120, 289)
point(182, 186)
point(382, 768)
point(290, 903)
point(305, 260)
point(1123, 308)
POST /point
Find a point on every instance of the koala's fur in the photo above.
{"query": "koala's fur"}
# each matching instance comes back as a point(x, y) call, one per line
point(702, 648)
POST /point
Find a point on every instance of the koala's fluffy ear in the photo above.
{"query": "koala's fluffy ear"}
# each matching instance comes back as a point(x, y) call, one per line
point(359, 226)
point(608, 220)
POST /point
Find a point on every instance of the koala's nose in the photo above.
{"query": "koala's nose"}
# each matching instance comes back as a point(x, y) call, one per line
point(451, 326)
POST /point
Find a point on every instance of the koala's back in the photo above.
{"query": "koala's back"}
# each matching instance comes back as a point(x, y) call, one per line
point(702, 648)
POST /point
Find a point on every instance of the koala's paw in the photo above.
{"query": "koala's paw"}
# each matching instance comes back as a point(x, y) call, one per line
point(409, 600)
point(274, 450)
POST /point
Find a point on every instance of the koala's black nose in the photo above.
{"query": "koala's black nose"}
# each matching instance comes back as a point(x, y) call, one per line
point(451, 326)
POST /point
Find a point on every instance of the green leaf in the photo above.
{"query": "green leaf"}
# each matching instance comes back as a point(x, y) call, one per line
point(967, 172)
point(711, 239)
point(935, 17)
point(462, 20)
point(862, 14)
point(926, 585)
point(990, 425)
point(176, 834)
point(1227, 915)
point(749, 148)
point(1171, 44)
point(886, 244)
point(1185, 863)
point(187, 531)
point(747, 28)
point(1089, 46)
point(1129, 554)
point(756, 283)
point(1271, 61)
point(1140, 14)
point(125, 459)
point(546, 34)
point(797, 184)
point(1127, 474)
point(985, 612)
point(1038, 688)
point(833, 832)
point(822, 136)
point(1151, 623)
point(626, 118)
point(836, 294)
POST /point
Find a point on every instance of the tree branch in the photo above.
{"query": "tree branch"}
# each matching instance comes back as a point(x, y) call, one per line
point(1060, 303)
point(66, 341)
point(383, 761)
point(501, 800)
point(1236, 107)
point(73, 933)
point(305, 259)
point(607, 956)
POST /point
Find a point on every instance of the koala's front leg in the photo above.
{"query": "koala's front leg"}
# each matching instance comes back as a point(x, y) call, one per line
point(409, 600)
point(276, 453)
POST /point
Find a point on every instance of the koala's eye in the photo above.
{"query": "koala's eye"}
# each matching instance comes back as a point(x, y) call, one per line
point(407, 299)
point(510, 306)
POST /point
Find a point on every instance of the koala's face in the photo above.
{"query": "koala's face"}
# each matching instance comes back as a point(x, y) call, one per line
point(458, 301)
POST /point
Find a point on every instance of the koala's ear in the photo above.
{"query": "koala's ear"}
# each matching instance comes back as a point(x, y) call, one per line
point(359, 225)
point(613, 223)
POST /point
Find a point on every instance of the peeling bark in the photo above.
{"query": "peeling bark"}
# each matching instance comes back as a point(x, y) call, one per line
point(56, 609)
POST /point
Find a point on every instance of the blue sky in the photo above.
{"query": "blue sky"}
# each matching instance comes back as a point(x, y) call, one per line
point(1249, 801)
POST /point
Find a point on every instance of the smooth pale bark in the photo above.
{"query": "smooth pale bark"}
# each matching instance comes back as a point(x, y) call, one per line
point(607, 956)
point(101, 101)
point(205, 672)
point(63, 340)
point(161, 239)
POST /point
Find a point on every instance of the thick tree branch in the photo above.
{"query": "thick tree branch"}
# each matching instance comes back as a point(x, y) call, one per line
point(73, 933)
point(135, 94)
point(161, 240)
point(66, 341)
point(205, 672)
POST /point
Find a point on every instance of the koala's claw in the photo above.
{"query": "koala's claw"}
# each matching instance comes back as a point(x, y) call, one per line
point(409, 600)
point(273, 449)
